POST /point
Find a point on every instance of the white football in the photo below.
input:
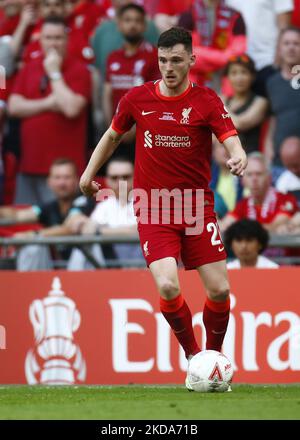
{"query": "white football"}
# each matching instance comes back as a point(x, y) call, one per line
point(209, 371)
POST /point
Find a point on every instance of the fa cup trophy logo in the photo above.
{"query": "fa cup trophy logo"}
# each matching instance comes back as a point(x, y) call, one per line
point(55, 360)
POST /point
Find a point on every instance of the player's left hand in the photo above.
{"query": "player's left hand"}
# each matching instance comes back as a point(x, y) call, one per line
point(237, 165)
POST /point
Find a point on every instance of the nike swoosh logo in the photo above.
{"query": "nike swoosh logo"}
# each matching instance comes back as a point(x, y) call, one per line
point(218, 333)
point(220, 249)
point(147, 113)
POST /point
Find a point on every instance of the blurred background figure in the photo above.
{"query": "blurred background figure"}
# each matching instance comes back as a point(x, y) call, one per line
point(50, 97)
point(248, 110)
point(130, 66)
point(48, 219)
point(264, 19)
point(218, 33)
point(289, 181)
point(107, 36)
point(113, 216)
point(247, 239)
point(169, 12)
point(284, 96)
point(229, 187)
point(264, 204)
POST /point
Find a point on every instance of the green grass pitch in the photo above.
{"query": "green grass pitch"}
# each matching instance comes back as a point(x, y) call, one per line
point(136, 402)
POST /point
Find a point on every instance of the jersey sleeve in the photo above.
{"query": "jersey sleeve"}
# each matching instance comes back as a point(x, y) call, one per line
point(219, 120)
point(123, 119)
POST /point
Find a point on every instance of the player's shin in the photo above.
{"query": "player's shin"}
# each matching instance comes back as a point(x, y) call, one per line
point(178, 315)
point(215, 319)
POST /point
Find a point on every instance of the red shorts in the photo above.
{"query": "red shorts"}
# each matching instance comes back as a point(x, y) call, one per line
point(161, 241)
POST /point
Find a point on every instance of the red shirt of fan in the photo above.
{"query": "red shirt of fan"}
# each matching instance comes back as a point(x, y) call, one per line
point(127, 71)
point(275, 203)
point(50, 135)
point(173, 136)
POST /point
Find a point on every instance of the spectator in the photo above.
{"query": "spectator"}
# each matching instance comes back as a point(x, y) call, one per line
point(247, 110)
point(263, 19)
point(289, 181)
point(133, 64)
point(108, 38)
point(79, 23)
point(50, 96)
point(223, 182)
point(219, 33)
point(248, 239)
point(113, 216)
point(63, 181)
point(284, 96)
point(11, 16)
point(271, 208)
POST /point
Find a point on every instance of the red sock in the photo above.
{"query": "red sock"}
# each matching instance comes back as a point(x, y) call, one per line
point(215, 319)
point(178, 315)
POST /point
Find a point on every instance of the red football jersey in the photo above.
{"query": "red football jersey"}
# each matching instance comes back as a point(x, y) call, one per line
point(275, 203)
point(173, 136)
point(125, 72)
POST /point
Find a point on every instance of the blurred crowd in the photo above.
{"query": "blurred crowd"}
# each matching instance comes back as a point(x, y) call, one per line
point(65, 64)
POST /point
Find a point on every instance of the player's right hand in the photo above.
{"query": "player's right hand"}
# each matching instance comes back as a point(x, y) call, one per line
point(88, 187)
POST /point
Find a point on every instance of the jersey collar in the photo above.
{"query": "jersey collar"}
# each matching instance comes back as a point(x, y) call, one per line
point(171, 98)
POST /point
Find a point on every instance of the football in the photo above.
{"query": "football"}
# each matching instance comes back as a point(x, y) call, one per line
point(209, 371)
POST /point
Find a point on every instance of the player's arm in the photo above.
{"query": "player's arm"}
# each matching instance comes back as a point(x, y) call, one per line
point(238, 158)
point(107, 102)
point(104, 149)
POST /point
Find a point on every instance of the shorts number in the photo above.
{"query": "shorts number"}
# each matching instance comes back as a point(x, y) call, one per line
point(212, 227)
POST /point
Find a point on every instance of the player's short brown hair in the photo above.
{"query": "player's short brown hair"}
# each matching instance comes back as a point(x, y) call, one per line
point(176, 35)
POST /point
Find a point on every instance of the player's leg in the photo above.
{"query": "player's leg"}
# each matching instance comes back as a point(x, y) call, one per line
point(172, 303)
point(205, 252)
point(217, 306)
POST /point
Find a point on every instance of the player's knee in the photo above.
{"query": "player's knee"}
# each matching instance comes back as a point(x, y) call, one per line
point(219, 293)
point(168, 289)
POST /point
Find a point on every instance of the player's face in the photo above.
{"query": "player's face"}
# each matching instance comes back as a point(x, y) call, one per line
point(240, 78)
point(53, 36)
point(132, 25)
point(256, 177)
point(289, 48)
point(174, 65)
point(246, 250)
point(117, 172)
point(63, 181)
